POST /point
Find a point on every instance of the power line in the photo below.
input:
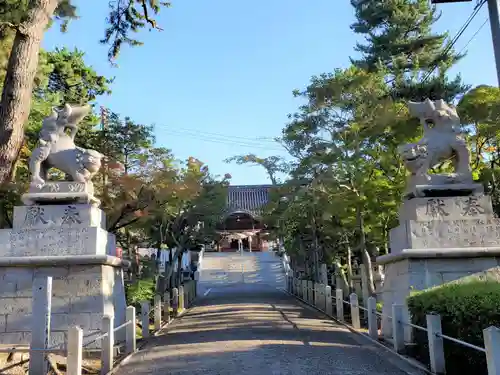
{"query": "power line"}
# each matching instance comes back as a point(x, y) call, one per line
point(464, 27)
point(218, 135)
point(227, 141)
point(474, 35)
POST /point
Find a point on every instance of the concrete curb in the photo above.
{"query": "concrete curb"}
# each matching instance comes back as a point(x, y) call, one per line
point(143, 343)
point(416, 367)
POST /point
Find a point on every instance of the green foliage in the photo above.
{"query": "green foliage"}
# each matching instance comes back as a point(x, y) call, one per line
point(69, 75)
point(272, 164)
point(126, 16)
point(142, 290)
point(400, 42)
point(466, 308)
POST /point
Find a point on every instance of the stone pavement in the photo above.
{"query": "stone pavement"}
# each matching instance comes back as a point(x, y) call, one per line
point(255, 329)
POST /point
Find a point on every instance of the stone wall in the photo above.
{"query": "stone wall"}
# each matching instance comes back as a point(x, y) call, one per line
point(81, 294)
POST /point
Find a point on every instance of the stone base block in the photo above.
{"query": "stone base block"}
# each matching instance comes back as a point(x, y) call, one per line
point(59, 216)
point(447, 208)
point(61, 192)
point(470, 233)
point(83, 290)
point(56, 242)
point(421, 269)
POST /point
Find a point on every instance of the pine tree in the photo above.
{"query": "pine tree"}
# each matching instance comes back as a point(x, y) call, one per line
point(400, 41)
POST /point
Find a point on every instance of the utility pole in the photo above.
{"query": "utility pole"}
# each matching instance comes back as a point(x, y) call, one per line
point(494, 14)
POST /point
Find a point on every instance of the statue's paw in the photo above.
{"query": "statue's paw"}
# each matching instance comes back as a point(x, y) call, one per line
point(37, 182)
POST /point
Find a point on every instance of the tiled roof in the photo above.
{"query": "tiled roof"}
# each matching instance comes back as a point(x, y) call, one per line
point(247, 198)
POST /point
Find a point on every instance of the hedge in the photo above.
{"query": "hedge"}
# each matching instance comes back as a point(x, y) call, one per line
point(466, 308)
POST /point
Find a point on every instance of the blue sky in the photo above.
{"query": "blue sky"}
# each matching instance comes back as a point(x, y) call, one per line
point(218, 80)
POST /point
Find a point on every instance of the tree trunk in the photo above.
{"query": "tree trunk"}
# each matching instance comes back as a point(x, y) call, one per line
point(342, 274)
point(350, 279)
point(367, 262)
point(18, 84)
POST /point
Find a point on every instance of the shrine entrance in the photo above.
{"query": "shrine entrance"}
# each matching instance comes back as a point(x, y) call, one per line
point(241, 229)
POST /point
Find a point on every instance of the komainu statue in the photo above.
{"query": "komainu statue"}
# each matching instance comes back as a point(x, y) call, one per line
point(441, 141)
point(56, 148)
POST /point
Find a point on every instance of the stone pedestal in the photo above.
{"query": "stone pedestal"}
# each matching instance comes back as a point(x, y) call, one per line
point(439, 239)
point(68, 242)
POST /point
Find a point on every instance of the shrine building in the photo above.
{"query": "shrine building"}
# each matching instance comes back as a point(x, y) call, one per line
point(242, 223)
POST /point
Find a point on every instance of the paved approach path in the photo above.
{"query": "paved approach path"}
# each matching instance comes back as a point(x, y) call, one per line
point(252, 328)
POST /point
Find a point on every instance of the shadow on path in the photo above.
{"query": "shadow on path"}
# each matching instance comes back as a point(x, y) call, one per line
point(245, 331)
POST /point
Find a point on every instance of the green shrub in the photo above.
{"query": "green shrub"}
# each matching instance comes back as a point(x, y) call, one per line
point(142, 290)
point(466, 308)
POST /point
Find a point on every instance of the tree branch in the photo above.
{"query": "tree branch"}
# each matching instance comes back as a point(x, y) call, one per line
point(146, 16)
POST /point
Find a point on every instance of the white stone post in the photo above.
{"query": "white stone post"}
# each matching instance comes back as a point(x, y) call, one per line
point(310, 287)
point(196, 279)
point(328, 300)
point(175, 301)
point(108, 341)
point(323, 274)
point(130, 332)
point(492, 345)
point(398, 329)
point(181, 298)
point(364, 286)
point(166, 307)
point(40, 325)
point(339, 303)
point(372, 318)
point(436, 344)
point(353, 300)
point(145, 318)
point(187, 294)
point(157, 312)
point(75, 351)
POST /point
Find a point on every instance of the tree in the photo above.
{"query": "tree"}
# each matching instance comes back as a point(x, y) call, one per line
point(29, 20)
point(190, 202)
point(479, 111)
point(345, 140)
point(272, 164)
point(399, 40)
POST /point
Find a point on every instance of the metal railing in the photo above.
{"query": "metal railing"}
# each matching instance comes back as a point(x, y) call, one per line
point(320, 296)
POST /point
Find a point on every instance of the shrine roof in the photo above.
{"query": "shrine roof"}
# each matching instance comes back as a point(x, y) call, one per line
point(247, 198)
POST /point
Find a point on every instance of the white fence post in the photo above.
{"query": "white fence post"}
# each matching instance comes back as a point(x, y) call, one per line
point(108, 341)
point(157, 312)
point(181, 298)
point(436, 344)
point(40, 325)
point(339, 303)
point(353, 299)
point(492, 346)
point(145, 318)
point(75, 351)
point(130, 332)
point(196, 278)
point(315, 294)
point(372, 318)
point(398, 329)
point(328, 300)
point(175, 301)
point(304, 290)
point(310, 288)
point(166, 307)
